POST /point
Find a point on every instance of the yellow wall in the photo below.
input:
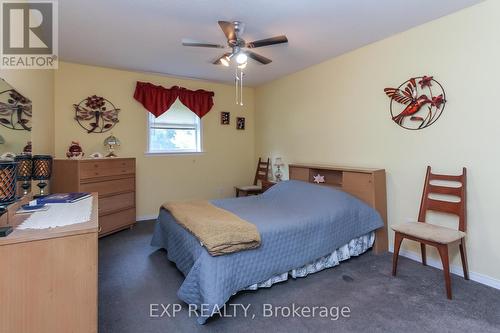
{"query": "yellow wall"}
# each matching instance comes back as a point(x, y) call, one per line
point(337, 112)
point(228, 159)
point(37, 85)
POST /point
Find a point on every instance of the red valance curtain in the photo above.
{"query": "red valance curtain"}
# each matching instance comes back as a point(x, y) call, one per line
point(158, 99)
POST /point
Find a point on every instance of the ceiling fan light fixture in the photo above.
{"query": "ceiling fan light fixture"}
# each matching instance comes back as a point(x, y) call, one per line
point(243, 65)
point(241, 58)
point(224, 61)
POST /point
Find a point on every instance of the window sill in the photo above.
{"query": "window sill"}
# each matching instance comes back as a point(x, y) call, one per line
point(174, 153)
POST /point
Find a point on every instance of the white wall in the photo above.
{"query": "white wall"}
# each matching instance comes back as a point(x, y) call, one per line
point(337, 112)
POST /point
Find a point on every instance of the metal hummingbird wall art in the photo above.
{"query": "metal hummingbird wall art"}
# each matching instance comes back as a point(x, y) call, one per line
point(96, 114)
point(417, 103)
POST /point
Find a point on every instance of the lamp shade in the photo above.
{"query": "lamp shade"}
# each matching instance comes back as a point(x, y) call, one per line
point(24, 167)
point(111, 141)
point(278, 161)
point(8, 181)
point(42, 167)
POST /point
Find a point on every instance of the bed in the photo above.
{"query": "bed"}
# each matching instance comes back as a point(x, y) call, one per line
point(301, 232)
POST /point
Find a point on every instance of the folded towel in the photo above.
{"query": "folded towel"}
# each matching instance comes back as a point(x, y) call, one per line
point(220, 231)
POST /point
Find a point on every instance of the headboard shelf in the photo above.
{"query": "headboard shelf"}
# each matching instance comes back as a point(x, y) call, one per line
point(367, 184)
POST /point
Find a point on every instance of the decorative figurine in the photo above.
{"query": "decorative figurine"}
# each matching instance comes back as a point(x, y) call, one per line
point(75, 152)
point(319, 179)
point(27, 149)
point(96, 155)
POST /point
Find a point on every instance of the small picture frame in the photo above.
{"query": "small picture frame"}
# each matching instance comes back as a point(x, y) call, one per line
point(225, 118)
point(240, 123)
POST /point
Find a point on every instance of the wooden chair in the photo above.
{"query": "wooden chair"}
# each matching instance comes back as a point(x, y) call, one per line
point(261, 175)
point(433, 235)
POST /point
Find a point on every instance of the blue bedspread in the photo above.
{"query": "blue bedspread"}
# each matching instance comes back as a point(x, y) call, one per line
point(298, 223)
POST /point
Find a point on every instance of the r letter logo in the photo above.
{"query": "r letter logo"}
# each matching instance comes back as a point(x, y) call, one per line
point(29, 35)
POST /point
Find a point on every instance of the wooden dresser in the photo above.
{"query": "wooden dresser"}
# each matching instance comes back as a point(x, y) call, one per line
point(112, 178)
point(364, 183)
point(48, 278)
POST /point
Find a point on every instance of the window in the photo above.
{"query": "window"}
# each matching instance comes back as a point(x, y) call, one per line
point(176, 131)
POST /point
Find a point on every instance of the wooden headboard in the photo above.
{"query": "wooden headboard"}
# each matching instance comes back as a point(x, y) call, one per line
point(365, 184)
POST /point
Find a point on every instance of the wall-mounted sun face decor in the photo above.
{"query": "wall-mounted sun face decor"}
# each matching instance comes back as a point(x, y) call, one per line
point(417, 103)
point(96, 114)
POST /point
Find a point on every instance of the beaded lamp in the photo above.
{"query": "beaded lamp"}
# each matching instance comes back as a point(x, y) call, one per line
point(42, 170)
point(24, 171)
point(8, 180)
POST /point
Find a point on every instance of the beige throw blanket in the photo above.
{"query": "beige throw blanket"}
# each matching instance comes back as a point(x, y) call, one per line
point(220, 231)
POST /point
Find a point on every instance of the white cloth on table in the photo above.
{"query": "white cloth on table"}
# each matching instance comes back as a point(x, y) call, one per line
point(59, 215)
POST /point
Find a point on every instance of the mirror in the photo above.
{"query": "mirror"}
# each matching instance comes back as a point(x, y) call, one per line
point(15, 122)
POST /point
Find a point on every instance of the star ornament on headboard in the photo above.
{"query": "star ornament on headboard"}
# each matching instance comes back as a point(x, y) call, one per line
point(318, 179)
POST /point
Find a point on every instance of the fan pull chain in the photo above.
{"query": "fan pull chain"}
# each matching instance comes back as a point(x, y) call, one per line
point(236, 79)
point(238, 86)
point(241, 87)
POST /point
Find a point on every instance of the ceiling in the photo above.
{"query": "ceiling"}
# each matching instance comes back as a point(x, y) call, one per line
point(146, 35)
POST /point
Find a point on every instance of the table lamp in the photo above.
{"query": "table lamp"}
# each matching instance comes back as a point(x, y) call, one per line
point(111, 142)
point(42, 170)
point(24, 171)
point(278, 163)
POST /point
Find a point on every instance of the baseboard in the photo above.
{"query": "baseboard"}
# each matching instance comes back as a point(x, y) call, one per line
point(146, 217)
point(457, 270)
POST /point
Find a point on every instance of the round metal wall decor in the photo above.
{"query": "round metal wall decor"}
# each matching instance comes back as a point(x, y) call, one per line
point(15, 110)
point(417, 103)
point(96, 114)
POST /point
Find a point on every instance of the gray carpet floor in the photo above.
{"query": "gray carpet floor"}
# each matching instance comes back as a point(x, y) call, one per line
point(133, 275)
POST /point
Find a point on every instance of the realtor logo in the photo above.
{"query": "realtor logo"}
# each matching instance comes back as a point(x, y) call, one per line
point(29, 35)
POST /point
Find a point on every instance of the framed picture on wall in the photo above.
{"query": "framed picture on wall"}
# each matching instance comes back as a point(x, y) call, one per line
point(225, 118)
point(240, 123)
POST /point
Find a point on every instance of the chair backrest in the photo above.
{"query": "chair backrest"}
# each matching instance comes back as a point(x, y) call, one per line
point(451, 207)
point(262, 170)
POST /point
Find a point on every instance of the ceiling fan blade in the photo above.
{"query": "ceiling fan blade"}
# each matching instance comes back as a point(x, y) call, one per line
point(263, 60)
point(268, 41)
point(228, 29)
point(187, 42)
point(217, 61)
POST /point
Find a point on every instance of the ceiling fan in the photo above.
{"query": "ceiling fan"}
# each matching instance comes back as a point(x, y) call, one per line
point(239, 47)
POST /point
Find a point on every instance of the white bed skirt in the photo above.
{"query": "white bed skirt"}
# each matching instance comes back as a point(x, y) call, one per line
point(354, 248)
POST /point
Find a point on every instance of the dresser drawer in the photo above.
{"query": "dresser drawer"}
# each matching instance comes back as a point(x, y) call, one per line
point(108, 187)
point(116, 202)
point(116, 221)
point(103, 168)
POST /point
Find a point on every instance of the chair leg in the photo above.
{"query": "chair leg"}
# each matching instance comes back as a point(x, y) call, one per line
point(398, 238)
point(237, 192)
point(424, 256)
point(463, 255)
point(443, 252)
